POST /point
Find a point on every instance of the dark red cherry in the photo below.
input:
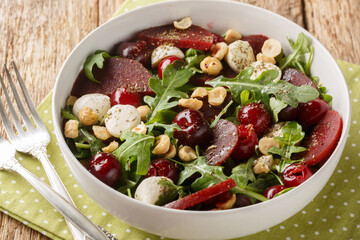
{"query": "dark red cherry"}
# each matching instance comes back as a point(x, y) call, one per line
point(122, 96)
point(138, 50)
point(166, 61)
point(257, 115)
point(106, 168)
point(295, 174)
point(242, 201)
point(312, 112)
point(273, 190)
point(195, 130)
point(288, 114)
point(165, 168)
point(245, 147)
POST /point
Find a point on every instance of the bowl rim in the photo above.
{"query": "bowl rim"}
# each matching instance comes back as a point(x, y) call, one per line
point(71, 157)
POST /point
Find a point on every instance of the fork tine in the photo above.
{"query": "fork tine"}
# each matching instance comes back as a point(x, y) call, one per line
point(21, 108)
point(30, 103)
point(6, 120)
point(4, 116)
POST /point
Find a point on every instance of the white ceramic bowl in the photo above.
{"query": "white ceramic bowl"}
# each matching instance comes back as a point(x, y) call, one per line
point(216, 16)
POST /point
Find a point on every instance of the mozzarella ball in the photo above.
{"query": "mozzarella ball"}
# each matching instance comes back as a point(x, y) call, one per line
point(240, 55)
point(97, 102)
point(150, 190)
point(164, 51)
point(260, 67)
point(120, 118)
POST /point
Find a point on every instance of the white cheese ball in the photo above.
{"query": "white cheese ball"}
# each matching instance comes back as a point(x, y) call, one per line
point(150, 190)
point(120, 118)
point(260, 67)
point(97, 102)
point(240, 55)
point(164, 51)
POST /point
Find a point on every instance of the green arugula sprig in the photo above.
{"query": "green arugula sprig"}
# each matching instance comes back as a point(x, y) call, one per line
point(98, 58)
point(296, 59)
point(264, 87)
point(136, 147)
point(166, 90)
point(292, 134)
point(193, 59)
point(211, 175)
point(85, 140)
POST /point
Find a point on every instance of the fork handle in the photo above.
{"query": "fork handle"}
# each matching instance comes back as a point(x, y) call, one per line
point(70, 212)
point(57, 184)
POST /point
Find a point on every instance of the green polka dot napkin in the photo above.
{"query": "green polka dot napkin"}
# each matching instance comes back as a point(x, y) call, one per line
point(333, 214)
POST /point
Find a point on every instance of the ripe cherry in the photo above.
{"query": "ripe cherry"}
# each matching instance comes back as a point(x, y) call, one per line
point(312, 112)
point(245, 147)
point(166, 61)
point(163, 167)
point(273, 190)
point(242, 201)
point(295, 174)
point(138, 50)
point(106, 168)
point(257, 115)
point(122, 96)
point(195, 130)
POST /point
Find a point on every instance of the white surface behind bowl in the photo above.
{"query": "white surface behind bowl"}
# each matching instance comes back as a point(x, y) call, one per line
point(216, 16)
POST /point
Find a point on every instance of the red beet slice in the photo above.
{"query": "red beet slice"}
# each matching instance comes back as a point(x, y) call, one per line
point(116, 72)
point(256, 42)
point(323, 138)
point(225, 140)
point(297, 78)
point(192, 37)
point(218, 38)
point(202, 195)
point(209, 111)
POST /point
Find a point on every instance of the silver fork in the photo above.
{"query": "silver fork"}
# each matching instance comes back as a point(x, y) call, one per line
point(10, 163)
point(34, 140)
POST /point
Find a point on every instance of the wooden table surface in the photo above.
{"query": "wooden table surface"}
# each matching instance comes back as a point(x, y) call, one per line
point(40, 34)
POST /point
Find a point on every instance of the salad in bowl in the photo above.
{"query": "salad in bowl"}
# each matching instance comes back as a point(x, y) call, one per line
point(194, 119)
point(185, 118)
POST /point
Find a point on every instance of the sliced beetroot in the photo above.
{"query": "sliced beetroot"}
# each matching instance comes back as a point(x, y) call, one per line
point(323, 138)
point(297, 78)
point(192, 37)
point(256, 42)
point(223, 144)
point(202, 195)
point(209, 111)
point(218, 38)
point(116, 72)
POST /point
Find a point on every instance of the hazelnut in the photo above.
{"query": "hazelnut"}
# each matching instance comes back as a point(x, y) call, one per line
point(271, 48)
point(219, 50)
point(87, 116)
point(111, 147)
point(211, 65)
point(217, 96)
point(101, 132)
point(71, 129)
point(144, 110)
point(187, 154)
point(162, 145)
point(231, 35)
point(183, 23)
point(191, 103)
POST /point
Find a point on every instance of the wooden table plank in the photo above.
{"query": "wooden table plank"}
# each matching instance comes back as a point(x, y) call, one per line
point(40, 34)
point(336, 23)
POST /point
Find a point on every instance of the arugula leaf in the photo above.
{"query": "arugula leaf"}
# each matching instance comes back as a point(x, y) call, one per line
point(276, 106)
point(174, 76)
point(264, 87)
point(98, 58)
point(296, 58)
point(136, 147)
point(210, 175)
point(284, 191)
point(292, 134)
point(246, 97)
point(164, 116)
point(95, 144)
point(243, 173)
point(169, 128)
point(213, 124)
point(262, 182)
point(193, 59)
point(67, 113)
